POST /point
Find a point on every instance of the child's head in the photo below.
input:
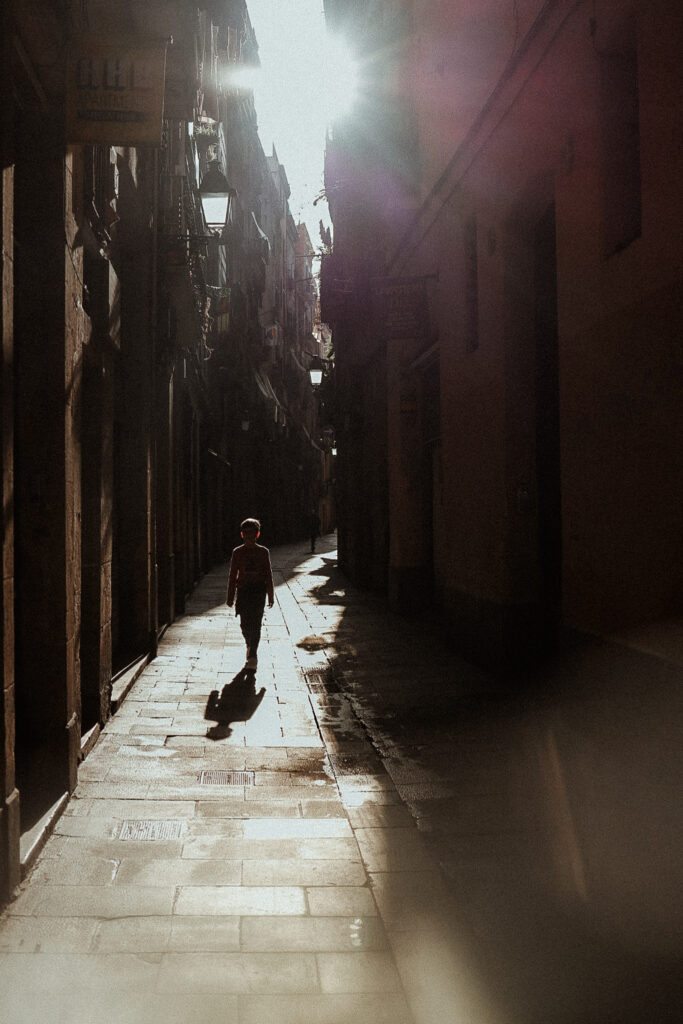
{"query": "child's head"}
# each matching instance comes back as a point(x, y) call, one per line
point(250, 529)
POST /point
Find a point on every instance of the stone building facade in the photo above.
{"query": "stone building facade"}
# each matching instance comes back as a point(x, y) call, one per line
point(505, 282)
point(505, 294)
point(132, 342)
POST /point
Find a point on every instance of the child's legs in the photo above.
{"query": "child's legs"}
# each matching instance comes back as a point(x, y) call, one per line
point(251, 631)
point(252, 604)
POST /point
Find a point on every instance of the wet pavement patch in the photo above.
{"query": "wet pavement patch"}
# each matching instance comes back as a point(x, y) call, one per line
point(314, 643)
point(348, 764)
point(321, 681)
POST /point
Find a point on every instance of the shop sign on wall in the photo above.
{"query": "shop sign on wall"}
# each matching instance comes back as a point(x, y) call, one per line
point(400, 306)
point(115, 92)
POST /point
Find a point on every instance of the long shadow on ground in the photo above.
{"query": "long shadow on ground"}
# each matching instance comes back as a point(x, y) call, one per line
point(237, 702)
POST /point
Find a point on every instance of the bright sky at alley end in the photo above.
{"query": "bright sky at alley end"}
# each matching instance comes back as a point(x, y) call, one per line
point(304, 81)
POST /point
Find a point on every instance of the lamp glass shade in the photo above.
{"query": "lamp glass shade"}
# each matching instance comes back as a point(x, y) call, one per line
point(215, 192)
point(215, 207)
point(316, 376)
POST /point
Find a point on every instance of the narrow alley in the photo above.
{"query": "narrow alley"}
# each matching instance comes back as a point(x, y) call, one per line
point(235, 850)
point(400, 279)
point(352, 832)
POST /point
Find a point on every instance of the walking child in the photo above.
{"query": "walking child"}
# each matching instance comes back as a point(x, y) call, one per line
point(249, 583)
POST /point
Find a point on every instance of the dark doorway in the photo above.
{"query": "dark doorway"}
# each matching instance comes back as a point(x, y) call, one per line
point(431, 457)
point(42, 407)
point(547, 427)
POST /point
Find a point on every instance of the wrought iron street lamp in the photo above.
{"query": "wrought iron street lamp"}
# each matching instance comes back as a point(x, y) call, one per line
point(216, 195)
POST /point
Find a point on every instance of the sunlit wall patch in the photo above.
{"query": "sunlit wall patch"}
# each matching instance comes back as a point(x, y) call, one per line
point(340, 83)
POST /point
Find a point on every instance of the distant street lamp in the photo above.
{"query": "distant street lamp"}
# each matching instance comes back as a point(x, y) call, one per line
point(315, 371)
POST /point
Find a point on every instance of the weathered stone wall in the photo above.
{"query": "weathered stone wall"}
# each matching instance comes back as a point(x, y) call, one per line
point(49, 332)
point(9, 796)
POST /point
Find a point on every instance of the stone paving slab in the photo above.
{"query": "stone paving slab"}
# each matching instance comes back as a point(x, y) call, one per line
point(240, 900)
point(297, 871)
point(311, 934)
point(238, 972)
point(120, 1006)
point(25, 934)
point(54, 973)
point(43, 900)
point(366, 1008)
point(178, 872)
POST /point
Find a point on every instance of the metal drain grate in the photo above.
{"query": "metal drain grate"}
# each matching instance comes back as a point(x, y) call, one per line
point(321, 681)
point(221, 778)
point(151, 829)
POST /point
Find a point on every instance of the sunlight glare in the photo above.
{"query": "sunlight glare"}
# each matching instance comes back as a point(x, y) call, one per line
point(327, 90)
point(340, 83)
point(242, 77)
point(307, 80)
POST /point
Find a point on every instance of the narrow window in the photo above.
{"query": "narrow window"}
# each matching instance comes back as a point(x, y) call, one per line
point(621, 143)
point(471, 286)
point(114, 74)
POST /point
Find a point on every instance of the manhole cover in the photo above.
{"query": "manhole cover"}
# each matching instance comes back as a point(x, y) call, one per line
point(151, 830)
point(222, 778)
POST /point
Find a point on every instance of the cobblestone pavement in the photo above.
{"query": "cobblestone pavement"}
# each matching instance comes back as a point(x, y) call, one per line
point(235, 850)
point(354, 832)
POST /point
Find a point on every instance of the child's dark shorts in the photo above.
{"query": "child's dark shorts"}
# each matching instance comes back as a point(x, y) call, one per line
point(250, 603)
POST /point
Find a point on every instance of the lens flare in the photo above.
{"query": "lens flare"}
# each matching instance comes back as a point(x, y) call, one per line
point(307, 82)
point(322, 93)
point(339, 86)
point(242, 77)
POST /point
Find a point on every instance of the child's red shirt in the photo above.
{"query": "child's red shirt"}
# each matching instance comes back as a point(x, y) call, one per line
point(249, 565)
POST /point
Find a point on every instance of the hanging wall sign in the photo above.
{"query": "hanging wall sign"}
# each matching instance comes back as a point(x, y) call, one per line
point(400, 306)
point(115, 91)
